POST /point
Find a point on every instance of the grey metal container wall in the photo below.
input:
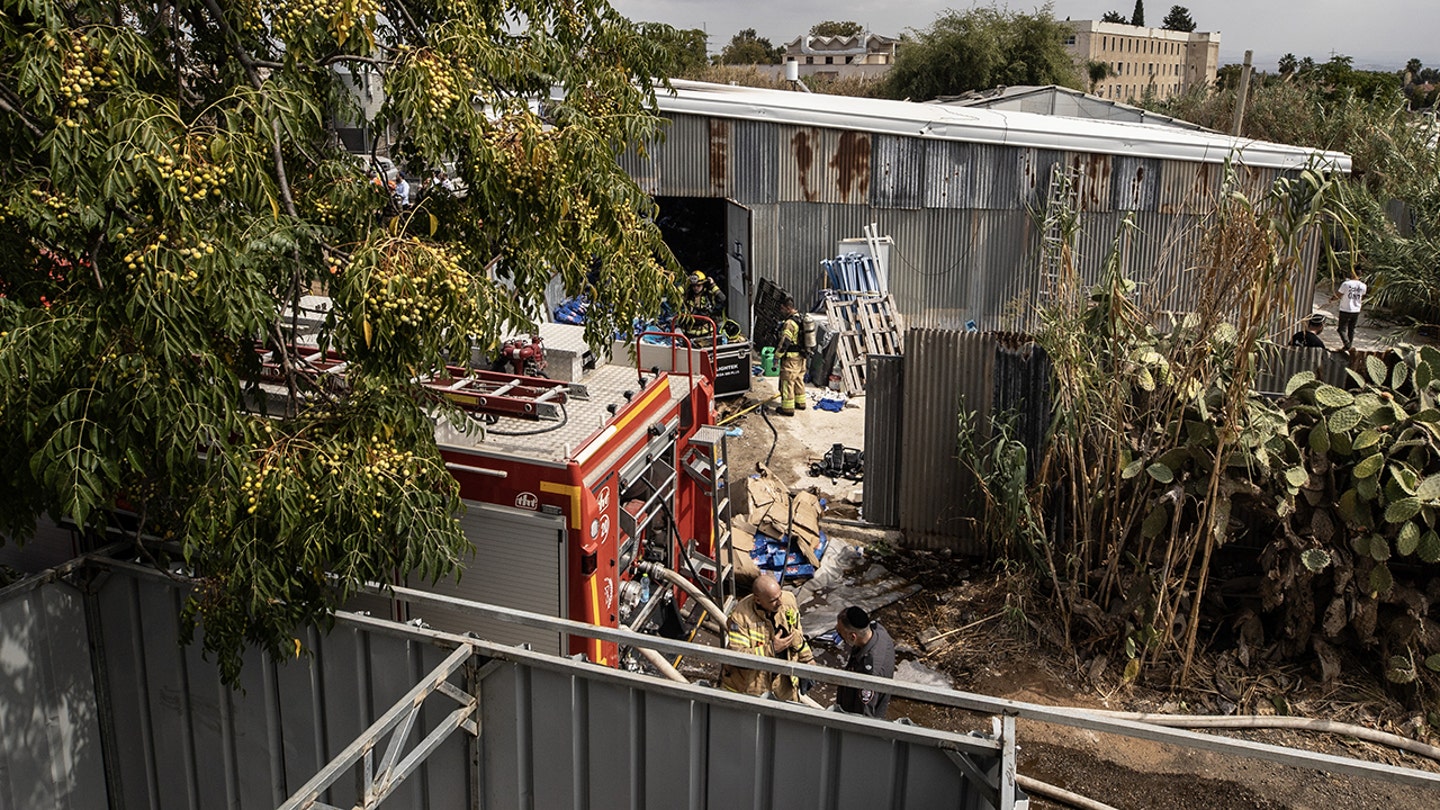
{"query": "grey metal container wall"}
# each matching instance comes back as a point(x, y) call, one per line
point(884, 434)
point(961, 213)
point(50, 751)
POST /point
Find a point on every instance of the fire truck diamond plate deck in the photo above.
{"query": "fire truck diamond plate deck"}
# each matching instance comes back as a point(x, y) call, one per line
point(584, 420)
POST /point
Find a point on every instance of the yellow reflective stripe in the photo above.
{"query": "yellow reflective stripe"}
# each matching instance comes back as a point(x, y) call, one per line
point(566, 489)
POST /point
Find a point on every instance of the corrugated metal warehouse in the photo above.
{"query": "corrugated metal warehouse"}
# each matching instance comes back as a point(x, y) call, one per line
point(764, 183)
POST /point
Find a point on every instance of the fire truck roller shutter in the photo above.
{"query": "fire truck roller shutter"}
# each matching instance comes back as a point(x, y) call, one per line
point(518, 563)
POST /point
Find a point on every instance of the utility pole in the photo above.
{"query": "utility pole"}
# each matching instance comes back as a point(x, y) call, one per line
point(1241, 93)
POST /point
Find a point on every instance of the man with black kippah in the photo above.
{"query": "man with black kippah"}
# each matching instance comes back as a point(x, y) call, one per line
point(872, 652)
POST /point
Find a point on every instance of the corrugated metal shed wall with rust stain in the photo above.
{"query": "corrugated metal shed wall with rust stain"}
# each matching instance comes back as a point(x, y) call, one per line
point(966, 244)
point(824, 166)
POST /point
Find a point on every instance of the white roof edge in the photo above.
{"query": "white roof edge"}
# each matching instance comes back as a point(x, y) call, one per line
point(976, 125)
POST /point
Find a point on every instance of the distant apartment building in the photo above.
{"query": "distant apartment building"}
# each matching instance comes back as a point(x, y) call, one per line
point(863, 54)
point(1156, 61)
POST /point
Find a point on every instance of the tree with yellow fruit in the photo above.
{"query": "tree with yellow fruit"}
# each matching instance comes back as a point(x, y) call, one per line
point(171, 184)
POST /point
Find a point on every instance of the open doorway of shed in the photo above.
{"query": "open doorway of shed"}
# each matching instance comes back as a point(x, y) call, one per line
point(712, 236)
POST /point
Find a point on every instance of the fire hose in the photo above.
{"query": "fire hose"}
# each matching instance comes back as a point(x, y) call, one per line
point(660, 572)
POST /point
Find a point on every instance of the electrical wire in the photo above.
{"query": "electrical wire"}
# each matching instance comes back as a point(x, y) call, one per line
point(773, 442)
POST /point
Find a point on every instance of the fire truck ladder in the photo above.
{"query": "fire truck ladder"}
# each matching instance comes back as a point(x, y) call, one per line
point(707, 462)
point(502, 394)
point(495, 393)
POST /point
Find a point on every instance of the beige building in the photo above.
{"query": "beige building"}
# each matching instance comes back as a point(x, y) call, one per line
point(1157, 61)
point(863, 54)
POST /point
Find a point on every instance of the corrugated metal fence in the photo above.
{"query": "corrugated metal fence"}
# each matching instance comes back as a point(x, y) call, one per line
point(986, 376)
point(101, 706)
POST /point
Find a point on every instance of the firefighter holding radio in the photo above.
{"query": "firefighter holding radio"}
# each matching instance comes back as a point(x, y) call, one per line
point(766, 623)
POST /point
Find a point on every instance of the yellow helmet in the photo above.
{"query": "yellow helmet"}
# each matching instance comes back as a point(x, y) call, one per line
point(697, 277)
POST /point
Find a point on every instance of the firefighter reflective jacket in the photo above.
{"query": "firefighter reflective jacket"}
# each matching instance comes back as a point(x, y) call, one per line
point(792, 337)
point(752, 630)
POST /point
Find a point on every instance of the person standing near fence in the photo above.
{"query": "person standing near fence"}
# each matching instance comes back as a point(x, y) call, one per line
point(1351, 294)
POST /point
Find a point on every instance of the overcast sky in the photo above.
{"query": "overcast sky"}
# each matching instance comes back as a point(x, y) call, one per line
point(1378, 34)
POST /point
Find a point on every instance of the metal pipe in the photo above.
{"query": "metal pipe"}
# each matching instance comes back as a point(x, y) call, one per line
point(1264, 721)
point(659, 571)
point(1061, 795)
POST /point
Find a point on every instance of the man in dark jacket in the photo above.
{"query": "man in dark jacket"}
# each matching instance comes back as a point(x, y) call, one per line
point(872, 652)
point(1309, 337)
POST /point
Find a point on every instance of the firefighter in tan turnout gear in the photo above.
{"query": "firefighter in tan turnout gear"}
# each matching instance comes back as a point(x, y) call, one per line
point(766, 623)
point(797, 339)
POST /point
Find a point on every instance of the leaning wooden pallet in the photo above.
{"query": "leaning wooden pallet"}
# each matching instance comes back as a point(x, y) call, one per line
point(850, 344)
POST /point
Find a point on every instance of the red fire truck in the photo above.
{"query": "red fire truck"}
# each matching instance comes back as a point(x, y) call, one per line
point(602, 501)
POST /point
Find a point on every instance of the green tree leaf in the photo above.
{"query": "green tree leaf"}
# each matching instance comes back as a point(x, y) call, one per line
point(1332, 397)
point(1343, 420)
point(1429, 548)
point(1429, 488)
point(1375, 367)
point(1369, 466)
point(1408, 540)
point(1380, 580)
point(1402, 510)
point(1378, 547)
point(1160, 473)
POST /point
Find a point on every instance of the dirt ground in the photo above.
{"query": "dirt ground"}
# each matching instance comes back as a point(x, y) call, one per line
point(1016, 654)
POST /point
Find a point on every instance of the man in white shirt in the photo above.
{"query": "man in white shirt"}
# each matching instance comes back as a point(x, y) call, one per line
point(1350, 294)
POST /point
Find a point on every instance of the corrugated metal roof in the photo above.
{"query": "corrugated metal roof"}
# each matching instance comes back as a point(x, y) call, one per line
point(984, 126)
point(1062, 101)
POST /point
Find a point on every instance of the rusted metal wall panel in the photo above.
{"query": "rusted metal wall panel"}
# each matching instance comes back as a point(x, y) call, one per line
point(642, 168)
point(1188, 188)
point(854, 153)
point(1135, 184)
point(1093, 173)
point(719, 154)
point(682, 160)
point(754, 157)
point(803, 165)
point(898, 172)
point(950, 175)
point(966, 244)
point(884, 421)
point(944, 371)
point(1036, 171)
point(999, 177)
